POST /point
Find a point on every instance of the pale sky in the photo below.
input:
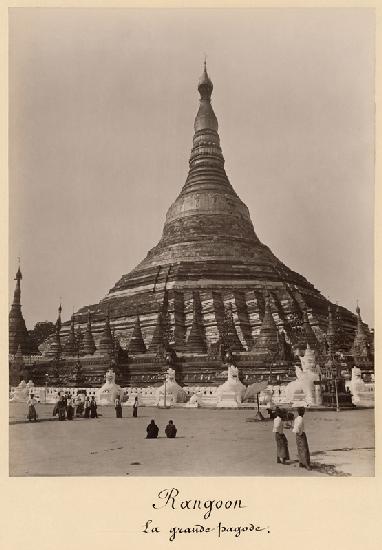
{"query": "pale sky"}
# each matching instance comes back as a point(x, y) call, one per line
point(102, 105)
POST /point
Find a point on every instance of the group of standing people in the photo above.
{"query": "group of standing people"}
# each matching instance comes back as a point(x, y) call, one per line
point(118, 407)
point(68, 406)
point(301, 439)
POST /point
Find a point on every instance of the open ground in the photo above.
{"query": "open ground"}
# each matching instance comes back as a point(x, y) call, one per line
point(208, 443)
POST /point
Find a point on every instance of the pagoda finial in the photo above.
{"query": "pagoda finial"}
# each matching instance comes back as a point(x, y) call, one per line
point(58, 322)
point(205, 85)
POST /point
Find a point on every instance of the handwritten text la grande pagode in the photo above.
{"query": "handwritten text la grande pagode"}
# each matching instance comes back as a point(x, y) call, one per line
point(169, 498)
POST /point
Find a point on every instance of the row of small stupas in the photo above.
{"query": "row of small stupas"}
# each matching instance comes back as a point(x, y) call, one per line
point(271, 333)
point(209, 281)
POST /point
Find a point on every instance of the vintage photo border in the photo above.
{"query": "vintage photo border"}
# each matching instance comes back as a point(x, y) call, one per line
point(46, 513)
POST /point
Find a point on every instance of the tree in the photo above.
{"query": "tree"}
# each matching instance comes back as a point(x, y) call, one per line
point(42, 330)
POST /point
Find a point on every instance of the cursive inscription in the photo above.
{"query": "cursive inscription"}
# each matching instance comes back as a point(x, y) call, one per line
point(169, 498)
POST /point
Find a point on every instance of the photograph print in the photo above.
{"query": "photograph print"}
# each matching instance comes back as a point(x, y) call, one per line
point(191, 241)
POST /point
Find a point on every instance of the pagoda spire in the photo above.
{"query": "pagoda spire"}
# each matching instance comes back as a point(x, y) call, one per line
point(195, 341)
point(268, 338)
point(206, 159)
point(158, 339)
point(59, 322)
point(70, 348)
point(17, 293)
point(360, 347)
point(87, 345)
point(231, 337)
point(18, 334)
point(106, 344)
point(137, 344)
point(55, 348)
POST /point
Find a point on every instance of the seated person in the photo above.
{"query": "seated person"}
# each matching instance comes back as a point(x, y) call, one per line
point(152, 430)
point(170, 429)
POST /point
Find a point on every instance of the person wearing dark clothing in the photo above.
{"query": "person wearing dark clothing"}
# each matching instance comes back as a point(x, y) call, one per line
point(69, 409)
point(61, 408)
point(170, 429)
point(79, 407)
point(32, 414)
point(301, 440)
point(152, 430)
point(118, 407)
point(281, 440)
point(135, 407)
point(87, 407)
point(93, 408)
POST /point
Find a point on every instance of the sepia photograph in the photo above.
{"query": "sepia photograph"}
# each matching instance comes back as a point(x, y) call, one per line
point(191, 242)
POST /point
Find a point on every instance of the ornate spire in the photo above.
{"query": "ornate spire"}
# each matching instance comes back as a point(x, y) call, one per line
point(205, 85)
point(70, 348)
point(158, 339)
point(58, 322)
point(195, 341)
point(18, 334)
point(231, 337)
point(55, 348)
point(17, 293)
point(106, 344)
point(88, 345)
point(360, 348)
point(268, 338)
point(136, 344)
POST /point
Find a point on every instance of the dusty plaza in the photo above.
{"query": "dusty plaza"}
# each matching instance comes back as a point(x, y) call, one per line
point(208, 443)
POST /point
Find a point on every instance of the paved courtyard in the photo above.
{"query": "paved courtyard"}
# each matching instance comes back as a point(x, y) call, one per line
point(209, 443)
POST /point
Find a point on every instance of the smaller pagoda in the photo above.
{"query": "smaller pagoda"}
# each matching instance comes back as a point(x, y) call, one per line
point(136, 344)
point(106, 344)
point(87, 344)
point(18, 334)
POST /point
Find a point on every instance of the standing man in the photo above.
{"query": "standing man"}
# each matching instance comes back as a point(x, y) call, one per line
point(69, 408)
point(93, 408)
point(135, 407)
point(87, 407)
point(281, 440)
point(118, 407)
point(301, 440)
point(61, 408)
point(32, 402)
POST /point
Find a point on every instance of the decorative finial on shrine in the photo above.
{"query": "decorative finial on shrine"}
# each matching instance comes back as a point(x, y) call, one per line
point(18, 273)
point(205, 85)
